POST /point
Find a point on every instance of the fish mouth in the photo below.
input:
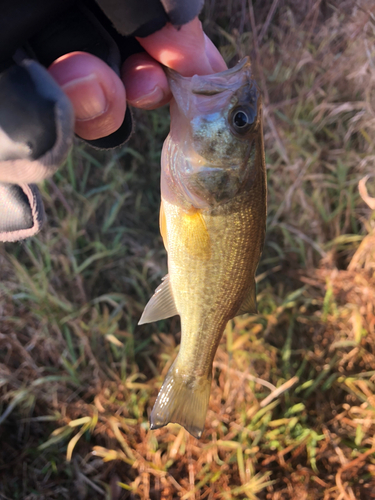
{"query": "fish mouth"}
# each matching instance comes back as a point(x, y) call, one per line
point(207, 87)
point(213, 84)
point(245, 61)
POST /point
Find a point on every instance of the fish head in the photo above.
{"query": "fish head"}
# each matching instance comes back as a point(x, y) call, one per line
point(215, 120)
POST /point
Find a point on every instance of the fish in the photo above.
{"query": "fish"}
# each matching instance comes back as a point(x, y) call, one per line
point(213, 223)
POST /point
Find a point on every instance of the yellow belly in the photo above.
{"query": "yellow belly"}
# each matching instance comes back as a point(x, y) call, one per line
point(210, 284)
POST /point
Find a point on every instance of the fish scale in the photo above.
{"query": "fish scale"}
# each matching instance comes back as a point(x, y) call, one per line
point(214, 242)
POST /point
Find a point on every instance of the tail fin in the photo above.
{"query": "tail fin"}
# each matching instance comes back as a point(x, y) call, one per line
point(182, 400)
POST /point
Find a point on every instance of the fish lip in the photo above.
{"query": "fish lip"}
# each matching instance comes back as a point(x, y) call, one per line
point(238, 67)
point(177, 77)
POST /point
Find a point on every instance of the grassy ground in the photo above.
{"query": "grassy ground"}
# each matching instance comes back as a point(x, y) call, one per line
point(292, 408)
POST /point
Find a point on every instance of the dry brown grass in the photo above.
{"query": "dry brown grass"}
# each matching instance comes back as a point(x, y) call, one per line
point(292, 409)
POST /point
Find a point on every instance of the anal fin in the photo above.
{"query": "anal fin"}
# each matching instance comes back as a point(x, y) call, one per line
point(249, 304)
point(161, 305)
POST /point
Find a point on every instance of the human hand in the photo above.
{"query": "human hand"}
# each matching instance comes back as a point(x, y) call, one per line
point(37, 118)
point(99, 96)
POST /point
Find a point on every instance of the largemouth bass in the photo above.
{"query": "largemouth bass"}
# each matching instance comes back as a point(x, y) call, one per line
point(212, 220)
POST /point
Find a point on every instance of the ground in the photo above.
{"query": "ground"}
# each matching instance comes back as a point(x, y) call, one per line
point(292, 408)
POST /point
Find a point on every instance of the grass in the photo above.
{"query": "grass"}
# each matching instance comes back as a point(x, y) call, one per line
point(292, 408)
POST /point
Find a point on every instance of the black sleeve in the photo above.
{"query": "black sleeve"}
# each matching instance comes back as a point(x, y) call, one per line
point(21, 20)
point(144, 17)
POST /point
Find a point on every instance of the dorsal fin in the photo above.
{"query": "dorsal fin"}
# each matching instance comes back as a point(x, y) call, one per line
point(161, 305)
point(249, 304)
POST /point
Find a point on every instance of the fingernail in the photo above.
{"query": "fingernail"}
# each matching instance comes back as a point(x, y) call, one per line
point(87, 96)
point(151, 99)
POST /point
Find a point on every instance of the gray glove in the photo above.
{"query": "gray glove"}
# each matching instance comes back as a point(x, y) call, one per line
point(36, 123)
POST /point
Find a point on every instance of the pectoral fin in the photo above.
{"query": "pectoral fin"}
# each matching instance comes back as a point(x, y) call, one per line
point(194, 235)
point(249, 305)
point(161, 305)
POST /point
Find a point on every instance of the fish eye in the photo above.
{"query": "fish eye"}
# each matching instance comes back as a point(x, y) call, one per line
point(242, 120)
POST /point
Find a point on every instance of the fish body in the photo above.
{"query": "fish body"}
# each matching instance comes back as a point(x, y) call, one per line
point(212, 219)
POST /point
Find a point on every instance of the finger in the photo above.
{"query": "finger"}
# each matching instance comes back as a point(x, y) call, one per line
point(215, 58)
point(145, 82)
point(96, 92)
point(186, 50)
